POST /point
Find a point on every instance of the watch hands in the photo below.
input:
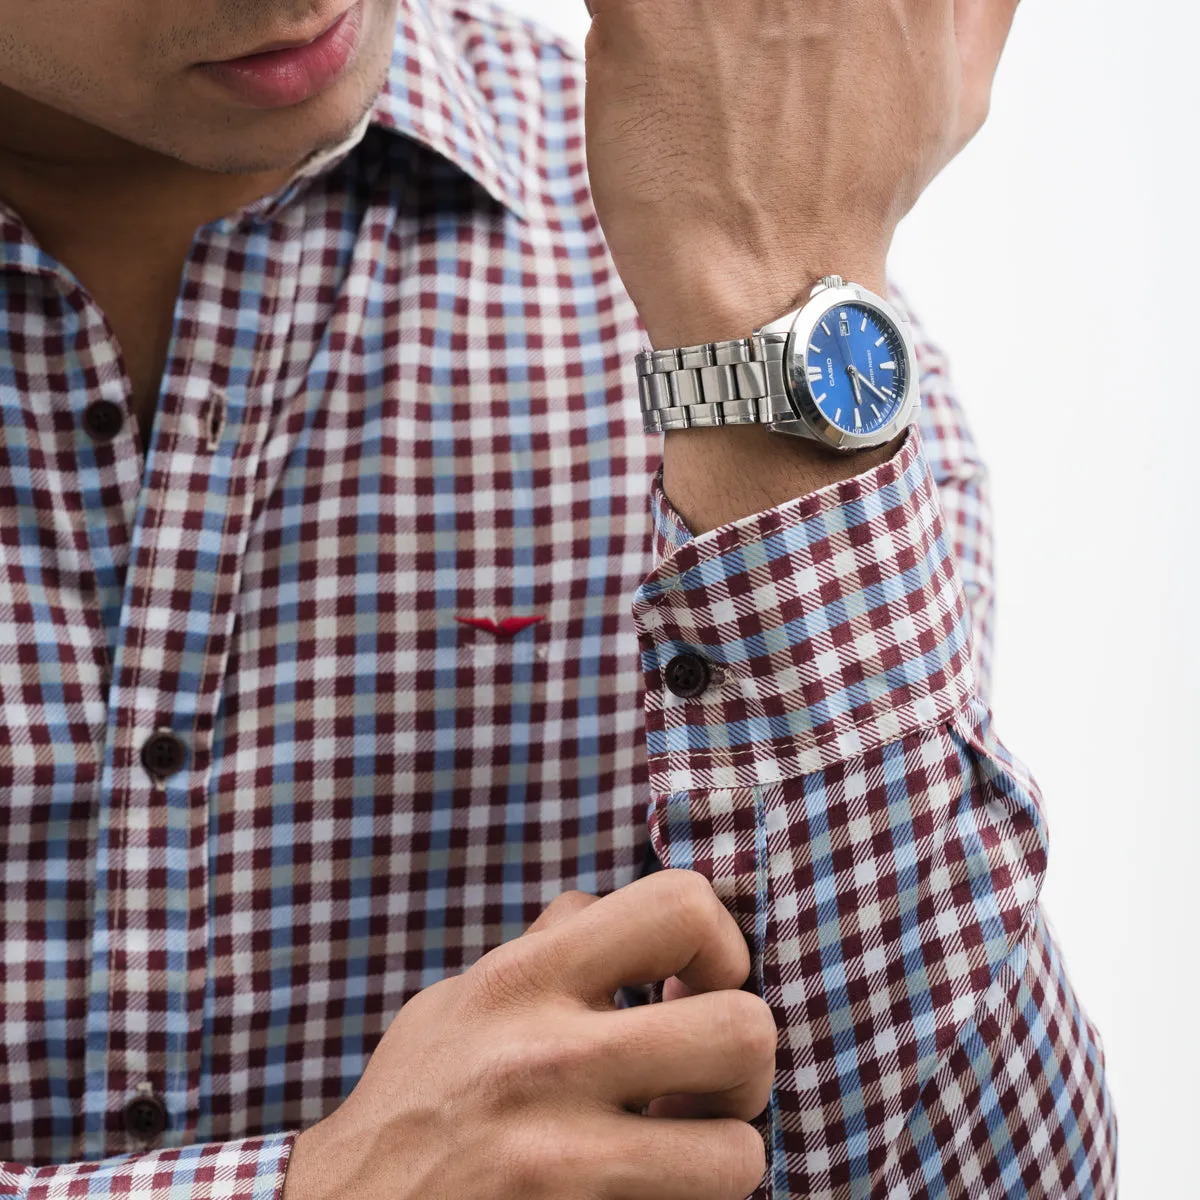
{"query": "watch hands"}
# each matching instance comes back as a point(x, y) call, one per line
point(867, 383)
point(852, 371)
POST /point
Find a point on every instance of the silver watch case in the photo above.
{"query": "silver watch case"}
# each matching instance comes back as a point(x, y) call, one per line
point(799, 327)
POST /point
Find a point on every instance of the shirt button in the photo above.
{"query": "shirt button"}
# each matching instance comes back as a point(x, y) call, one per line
point(146, 1117)
point(102, 420)
point(687, 676)
point(163, 754)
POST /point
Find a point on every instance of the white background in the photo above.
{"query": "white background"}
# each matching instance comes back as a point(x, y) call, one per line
point(1057, 260)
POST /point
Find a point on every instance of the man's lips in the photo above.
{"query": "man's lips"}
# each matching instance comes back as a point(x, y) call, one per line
point(282, 74)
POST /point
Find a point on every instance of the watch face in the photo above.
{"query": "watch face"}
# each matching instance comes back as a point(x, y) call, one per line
point(855, 368)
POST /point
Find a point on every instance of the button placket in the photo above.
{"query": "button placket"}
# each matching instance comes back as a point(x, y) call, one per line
point(94, 392)
point(158, 774)
point(179, 609)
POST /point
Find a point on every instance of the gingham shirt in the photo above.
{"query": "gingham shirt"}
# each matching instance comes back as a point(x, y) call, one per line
point(399, 404)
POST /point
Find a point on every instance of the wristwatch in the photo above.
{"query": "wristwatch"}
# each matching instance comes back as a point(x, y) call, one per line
point(840, 371)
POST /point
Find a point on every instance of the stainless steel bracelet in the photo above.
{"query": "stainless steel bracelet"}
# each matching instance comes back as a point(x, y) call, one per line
point(721, 383)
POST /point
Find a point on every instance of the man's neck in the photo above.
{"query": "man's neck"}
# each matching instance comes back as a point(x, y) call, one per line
point(121, 218)
point(70, 180)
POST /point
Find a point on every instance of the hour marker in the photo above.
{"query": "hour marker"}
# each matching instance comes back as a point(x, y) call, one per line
point(815, 374)
point(837, 416)
point(857, 419)
point(827, 330)
point(879, 342)
point(886, 391)
point(887, 366)
point(875, 411)
point(814, 349)
point(822, 397)
point(863, 327)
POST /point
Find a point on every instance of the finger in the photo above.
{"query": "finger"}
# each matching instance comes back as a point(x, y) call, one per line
point(690, 1105)
point(668, 923)
point(561, 908)
point(642, 1159)
point(716, 1046)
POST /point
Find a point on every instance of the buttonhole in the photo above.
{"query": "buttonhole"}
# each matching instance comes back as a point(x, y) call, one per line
point(214, 421)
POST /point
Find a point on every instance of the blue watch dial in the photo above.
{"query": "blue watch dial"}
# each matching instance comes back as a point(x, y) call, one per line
point(855, 368)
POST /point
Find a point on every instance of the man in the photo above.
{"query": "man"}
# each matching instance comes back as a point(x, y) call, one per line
point(322, 487)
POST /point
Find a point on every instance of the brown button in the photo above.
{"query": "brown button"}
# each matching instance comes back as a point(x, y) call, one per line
point(102, 420)
point(146, 1118)
point(163, 754)
point(687, 676)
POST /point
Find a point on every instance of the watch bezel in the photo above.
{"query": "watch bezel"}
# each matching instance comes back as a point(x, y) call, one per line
point(811, 420)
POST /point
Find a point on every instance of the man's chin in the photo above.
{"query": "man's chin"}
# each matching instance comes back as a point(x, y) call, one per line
point(258, 157)
point(285, 140)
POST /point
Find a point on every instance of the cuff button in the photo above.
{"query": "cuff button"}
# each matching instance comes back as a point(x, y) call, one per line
point(146, 1117)
point(687, 676)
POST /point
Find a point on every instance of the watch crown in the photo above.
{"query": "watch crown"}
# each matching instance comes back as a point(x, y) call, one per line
point(827, 281)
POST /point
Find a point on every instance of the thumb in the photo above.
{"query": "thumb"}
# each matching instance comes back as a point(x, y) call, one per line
point(675, 989)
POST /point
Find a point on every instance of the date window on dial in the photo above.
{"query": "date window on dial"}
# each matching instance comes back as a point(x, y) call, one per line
point(845, 325)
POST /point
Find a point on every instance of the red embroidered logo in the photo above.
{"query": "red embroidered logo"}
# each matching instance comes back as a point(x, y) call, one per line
point(507, 628)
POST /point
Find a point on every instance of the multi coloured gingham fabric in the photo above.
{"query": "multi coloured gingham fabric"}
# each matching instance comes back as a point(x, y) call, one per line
point(399, 405)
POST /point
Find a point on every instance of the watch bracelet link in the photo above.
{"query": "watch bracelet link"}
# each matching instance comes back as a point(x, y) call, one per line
point(721, 383)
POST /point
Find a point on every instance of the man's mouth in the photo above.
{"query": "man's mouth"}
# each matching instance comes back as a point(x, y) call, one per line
point(282, 73)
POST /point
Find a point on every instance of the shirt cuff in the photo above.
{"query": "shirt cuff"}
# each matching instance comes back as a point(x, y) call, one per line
point(830, 625)
point(248, 1169)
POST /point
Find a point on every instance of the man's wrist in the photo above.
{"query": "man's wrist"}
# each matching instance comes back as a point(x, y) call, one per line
point(311, 1164)
point(721, 307)
point(717, 475)
point(714, 476)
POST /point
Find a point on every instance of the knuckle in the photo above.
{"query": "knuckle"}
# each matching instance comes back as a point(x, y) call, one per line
point(687, 897)
point(510, 1073)
point(744, 1162)
point(761, 1031)
point(537, 1160)
point(505, 976)
point(530, 1065)
point(744, 1025)
point(569, 903)
point(976, 107)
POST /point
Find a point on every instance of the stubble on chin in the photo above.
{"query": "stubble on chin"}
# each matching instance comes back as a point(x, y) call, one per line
point(252, 143)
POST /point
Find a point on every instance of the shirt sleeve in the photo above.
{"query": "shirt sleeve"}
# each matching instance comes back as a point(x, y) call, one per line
point(249, 1169)
point(964, 491)
point(839, 781)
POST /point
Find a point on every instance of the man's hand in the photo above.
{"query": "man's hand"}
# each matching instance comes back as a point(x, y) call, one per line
point(741, 149)
point(520, 1079)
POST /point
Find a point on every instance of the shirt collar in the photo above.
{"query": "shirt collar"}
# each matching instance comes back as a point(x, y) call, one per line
point(433, 94)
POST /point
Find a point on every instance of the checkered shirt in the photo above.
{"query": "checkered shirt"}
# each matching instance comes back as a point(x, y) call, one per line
point(400, 404)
